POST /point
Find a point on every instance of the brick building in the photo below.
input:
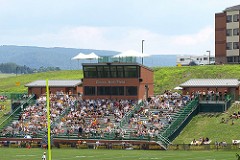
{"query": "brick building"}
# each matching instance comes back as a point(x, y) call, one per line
point(117, 81)
point(66, 86)
point(227, 36)
point(230, 86)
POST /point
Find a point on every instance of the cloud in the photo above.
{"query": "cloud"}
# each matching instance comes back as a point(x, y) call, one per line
point(201, 37)
point(120, 39)
point(106, 38)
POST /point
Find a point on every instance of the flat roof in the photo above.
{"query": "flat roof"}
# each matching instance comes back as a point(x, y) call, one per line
point(54, 83)
point(211, 83)
point(116, 64)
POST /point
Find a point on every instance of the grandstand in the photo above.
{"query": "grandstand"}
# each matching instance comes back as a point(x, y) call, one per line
point(155, 122)
point(127, 118)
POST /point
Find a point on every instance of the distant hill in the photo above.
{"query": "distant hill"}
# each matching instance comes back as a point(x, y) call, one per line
point(39, 56)
point(36, 57)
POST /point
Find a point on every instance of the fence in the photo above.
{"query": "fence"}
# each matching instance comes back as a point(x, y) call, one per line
point(204, 147)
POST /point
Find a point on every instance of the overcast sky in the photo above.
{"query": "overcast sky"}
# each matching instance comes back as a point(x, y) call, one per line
point(167, 26)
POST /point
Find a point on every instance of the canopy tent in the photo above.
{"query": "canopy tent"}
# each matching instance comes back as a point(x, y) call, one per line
point(92, 56)
point(178, 88)
point(79, 56)
point(85, 56)
point(82, 56)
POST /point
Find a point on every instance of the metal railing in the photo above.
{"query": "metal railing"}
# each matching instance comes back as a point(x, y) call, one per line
point(21, 106)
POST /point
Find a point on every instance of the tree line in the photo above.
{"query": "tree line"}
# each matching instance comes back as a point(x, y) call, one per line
point(18, 69)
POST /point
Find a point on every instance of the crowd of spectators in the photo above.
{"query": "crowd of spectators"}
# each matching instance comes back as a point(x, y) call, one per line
point(158, 110)
point(209, 95)
point(70, 115)
point(201, 141)
point(33, 118)
point(96, 117)
point(3, 98)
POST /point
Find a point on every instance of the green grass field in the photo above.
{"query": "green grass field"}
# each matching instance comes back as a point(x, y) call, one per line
point(88, 154)
point(6, 75)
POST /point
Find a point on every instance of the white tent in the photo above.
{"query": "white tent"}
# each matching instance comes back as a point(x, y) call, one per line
point(82, 56)
point(85, 56)
point(79, 56)
point(132, 53)
point(92, 56)
point(178, 88)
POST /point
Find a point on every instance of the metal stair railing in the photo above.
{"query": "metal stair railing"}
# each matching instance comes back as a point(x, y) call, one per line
point(17, 110)
point(180, 118)
point(128, 115)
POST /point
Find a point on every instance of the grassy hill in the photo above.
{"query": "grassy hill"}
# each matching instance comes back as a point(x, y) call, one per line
point(8, 84)
point(209, 125)
point(169, 77)
point(165, 78)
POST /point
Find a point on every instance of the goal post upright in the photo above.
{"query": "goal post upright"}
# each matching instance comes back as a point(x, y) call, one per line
point(49, 122)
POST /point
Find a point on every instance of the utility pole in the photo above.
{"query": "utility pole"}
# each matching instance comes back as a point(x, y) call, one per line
point(209, 52)
point(142, 51)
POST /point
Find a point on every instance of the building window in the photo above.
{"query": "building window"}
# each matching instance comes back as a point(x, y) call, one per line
point(120, 72)
point(229, 32)
point(229, 18)
point(235, 45)
point(103, 91)
point(236, 31)
point(89, 91)
point(131, 91)
point(100, 72)
point(181, 59)
point(229, 59)
point(229, 46)
point(90, 72)
point(113, 70)
point(106, 72)
point(235, 17)
point(205, 58)
point(233, 59)
point(131, 71)
point(117, 91)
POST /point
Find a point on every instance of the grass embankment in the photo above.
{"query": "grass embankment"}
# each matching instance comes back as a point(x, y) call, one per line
point(166, 78)
point(211, 126)
point(2, 75)
point(8, 84)
point(4, 110)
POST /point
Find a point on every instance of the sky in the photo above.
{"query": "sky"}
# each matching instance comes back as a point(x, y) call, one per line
point(179, 27)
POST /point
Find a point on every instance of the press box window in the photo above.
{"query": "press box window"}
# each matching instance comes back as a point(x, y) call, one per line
point(131, 91)
point(89, 91)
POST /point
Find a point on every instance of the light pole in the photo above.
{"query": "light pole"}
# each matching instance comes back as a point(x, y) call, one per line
point(142, 51)
point(208, 56)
